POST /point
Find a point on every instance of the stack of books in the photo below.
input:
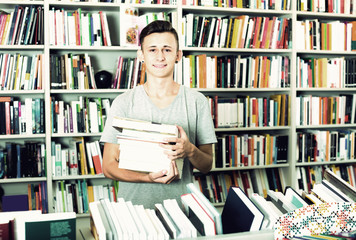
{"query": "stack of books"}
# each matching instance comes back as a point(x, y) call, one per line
point(123, 219)
point(140, 148)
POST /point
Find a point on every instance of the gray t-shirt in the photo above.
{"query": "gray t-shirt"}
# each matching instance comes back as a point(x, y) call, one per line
point(190, 109)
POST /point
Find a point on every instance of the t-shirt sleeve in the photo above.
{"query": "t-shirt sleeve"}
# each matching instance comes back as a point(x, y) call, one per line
point(205, 126)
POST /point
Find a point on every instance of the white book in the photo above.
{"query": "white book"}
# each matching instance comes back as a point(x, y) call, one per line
point(71, 30)
point(173, 208)
point(197, 214)
point(137, 221)
point(149, 228)
point(96, 218)
point(94, 123)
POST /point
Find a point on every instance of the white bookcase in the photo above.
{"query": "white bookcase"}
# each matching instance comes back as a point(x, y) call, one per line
point(104, 58)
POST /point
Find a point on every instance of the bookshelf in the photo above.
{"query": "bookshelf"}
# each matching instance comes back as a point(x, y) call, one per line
point(105, 57)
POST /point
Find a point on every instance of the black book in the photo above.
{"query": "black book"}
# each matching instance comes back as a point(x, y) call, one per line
point(16, 129)
point(29, 25)
point(33, 27)
point(282, 149)
point(11, 160)
point(13, 23)
point(2, 118)
point(218, 153)
point(197, 29)
point(21, 39)
point(19, 24)
point(206, 31)
point(240, 214)
point(123, 73)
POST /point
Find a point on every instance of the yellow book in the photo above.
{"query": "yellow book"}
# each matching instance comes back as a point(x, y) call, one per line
point(278, 98)
point(6, 29)
point(235, 33)
point(90, 193)
point(283, 109)
point(267, 150)
point(29, 195)
point(263, 182)
point(269, 33)
point(81, 150)
point(229, 33)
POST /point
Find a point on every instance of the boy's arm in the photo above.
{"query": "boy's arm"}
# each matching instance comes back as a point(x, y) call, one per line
point(111, 169)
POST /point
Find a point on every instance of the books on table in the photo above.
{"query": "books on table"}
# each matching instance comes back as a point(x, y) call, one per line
point(146, 136)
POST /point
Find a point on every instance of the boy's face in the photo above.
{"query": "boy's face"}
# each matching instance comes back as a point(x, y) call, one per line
point(159, 51)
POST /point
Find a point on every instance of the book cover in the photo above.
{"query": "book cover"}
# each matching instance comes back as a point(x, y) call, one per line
point(240, 214)
point(129, 35)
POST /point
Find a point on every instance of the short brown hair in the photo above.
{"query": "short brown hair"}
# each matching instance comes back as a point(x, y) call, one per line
point(158, 26)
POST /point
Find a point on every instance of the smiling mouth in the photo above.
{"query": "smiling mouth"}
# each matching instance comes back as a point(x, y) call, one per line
point(160, 65)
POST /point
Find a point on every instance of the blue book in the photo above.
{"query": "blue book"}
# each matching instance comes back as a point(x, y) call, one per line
point(14, 203)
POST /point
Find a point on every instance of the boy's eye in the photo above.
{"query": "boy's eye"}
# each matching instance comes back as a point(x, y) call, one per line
point(167, 50)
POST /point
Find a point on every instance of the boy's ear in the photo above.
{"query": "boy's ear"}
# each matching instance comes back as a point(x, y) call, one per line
point(140, 55)
point(179, 55)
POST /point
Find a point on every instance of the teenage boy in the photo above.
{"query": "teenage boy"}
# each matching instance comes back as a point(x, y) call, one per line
point(161, 100)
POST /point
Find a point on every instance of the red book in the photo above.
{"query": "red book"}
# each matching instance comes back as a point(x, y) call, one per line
point(103, 28)
point(256, 31)
point(330, 6)
point(264, 36)
point(5, 230)
point(96, 157)
point(283, 32)
point(216, 111)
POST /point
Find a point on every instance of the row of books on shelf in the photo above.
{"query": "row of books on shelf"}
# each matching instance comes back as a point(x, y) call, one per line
point(86, 115)
point(203, 71)
point(72, 71)
point(309, 175)
point(76, 196)
point(76, 158)
point(169, 2)
point(35, 199)
point(21, 225)
point(215, 185)
point(315, 110)
point(130, 72)
point(326, 72)
point(252, 4)
point(22, 26)
point(21, 72)
point(237, 32)
point(23, 160)
point(324, 146)
point(332, 35)
point(76, 28)
point(250, 150)
point(21, 117)
point(335, 6)
point(249, 111)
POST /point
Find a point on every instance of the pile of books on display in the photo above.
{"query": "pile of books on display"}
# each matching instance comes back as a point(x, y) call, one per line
point(125, 220)
point(140, 148)
point(195, 216)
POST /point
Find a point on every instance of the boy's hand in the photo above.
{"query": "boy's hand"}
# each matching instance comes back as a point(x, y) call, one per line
point(161, 177)
point(178, 147)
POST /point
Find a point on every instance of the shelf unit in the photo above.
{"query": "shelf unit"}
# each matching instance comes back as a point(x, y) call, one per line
point(104, 58)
